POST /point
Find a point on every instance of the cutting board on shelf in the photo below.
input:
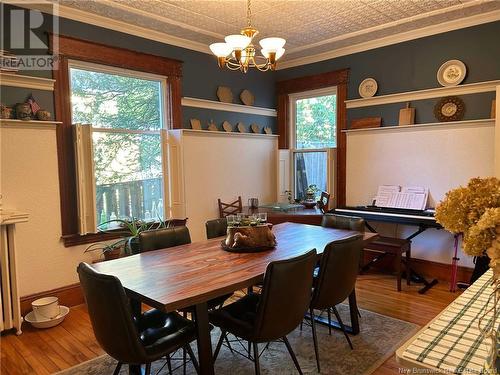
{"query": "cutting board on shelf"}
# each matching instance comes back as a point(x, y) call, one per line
point(366, 123)
point(407, 115)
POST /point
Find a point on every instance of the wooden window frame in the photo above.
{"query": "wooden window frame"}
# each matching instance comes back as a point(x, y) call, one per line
point(285, 88)
point(76, 49)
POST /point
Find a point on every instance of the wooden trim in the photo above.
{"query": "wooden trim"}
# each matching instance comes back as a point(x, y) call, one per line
point(437, 125)
point(313, 82)
point(69, 295)
point(71, 48)
point(80, 49)
point(338, 78)
point(31, 124)
point(341, 162)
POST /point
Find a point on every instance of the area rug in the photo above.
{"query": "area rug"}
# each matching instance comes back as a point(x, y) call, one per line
point(380, 336)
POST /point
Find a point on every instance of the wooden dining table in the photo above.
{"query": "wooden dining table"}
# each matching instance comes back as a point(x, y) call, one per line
point(192, 274)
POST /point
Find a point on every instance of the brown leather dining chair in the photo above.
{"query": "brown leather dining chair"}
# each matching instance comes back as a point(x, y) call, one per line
point(336, 279)
point(230, 208)
point(128, 339)
point(216, 228)
point(273, 314)
point(343, 222)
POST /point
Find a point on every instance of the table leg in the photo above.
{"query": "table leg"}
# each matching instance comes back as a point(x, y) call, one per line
point(204, 342)
point(353, 312)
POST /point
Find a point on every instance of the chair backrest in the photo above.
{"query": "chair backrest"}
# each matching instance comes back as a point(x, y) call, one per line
point(163, 238)
point(111, 315)
point(338, 271)
point(343, 222)
point(324, 201)
point(230, 208)
point(216, 228)
point(285, 296)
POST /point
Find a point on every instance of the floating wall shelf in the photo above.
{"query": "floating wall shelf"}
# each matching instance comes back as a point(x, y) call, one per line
point(32, 124)
point(29, 82)
point(487, 122)
point(471, 88)
point(230, 107)
point(227, 134)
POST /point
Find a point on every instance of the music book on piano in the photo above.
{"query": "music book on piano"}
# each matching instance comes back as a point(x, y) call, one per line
point(406, 197)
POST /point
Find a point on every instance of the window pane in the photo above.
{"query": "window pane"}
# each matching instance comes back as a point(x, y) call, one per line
point(310, 169)
point(128, 176)
point(315, 122)
point(114, 101)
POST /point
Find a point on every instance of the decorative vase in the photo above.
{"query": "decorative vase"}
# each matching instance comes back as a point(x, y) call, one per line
point(113, 254)
point(43, 115)
point(23, 111)
point(133, 245)
point(5, 112)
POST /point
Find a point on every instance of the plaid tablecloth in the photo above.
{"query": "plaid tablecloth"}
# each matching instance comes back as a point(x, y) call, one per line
point(453, 342)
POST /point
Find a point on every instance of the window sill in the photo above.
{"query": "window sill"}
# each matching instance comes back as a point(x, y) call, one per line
point(76, 239)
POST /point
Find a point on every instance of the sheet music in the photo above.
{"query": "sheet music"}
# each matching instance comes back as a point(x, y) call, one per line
point(407, 197)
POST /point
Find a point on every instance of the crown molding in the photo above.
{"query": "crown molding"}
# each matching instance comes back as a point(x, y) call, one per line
point(443, 27)
point(112, 24)
point(143, 32)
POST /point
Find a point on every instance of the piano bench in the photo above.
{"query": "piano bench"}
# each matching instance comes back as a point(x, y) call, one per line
point(396, 247)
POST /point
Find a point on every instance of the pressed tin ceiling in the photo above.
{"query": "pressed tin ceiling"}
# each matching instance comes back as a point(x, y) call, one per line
point(314, 29)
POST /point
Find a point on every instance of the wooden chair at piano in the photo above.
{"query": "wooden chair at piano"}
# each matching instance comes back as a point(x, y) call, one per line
point(230, 208)
point(324, 201)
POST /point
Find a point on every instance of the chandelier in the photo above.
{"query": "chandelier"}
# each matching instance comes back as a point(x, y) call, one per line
point(238, 52)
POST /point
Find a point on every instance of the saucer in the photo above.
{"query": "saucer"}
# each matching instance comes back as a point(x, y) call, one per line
point(47, 323)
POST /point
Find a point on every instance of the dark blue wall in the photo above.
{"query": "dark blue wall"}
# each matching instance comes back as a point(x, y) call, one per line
point(413, 65)
point(201, 75)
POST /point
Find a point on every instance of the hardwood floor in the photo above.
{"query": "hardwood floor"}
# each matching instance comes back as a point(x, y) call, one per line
point(72, 342)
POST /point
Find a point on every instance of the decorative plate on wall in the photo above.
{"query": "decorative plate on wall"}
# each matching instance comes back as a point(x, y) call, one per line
point(451, 73)
point(195, 124)
point(255, 128)
point(227, 126)
point(450, 108)
point(241, 127)
point(268, 130)
point(212, 126)
point(247, 97)
point(368, 88)
point(224, 94)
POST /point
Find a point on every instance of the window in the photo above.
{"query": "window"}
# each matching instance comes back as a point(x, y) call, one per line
point(124, 111)
point(314, 130)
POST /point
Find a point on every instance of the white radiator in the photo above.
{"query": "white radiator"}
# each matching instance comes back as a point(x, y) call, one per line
point(10, 309)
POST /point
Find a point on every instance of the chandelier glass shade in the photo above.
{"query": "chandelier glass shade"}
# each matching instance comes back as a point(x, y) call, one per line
point(237, 52)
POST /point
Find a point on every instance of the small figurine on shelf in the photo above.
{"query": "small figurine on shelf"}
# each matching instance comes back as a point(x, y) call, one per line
point(5, 111)
point(289, 196)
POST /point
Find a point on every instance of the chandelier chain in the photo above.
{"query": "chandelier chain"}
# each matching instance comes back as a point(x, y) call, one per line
point(249, 13)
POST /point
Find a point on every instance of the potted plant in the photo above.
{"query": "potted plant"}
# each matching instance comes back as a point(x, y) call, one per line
point(310, 200)
point(109, 251)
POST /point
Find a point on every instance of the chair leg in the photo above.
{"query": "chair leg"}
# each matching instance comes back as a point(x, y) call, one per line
point(117, 368)
point(184, 361)
point(169, 365)
point(219, 344)
point(337, 315)
point(398, 269)
point(193, 358)
point(315, 338)
point(301, 323)
point(228, 344)
point(292, 354)
point(329, 321)
point(408, 265)
point(256, 358)
point(148, 369)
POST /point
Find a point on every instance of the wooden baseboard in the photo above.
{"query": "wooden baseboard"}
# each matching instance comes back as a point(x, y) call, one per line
point(69, 295)
point(427, 268)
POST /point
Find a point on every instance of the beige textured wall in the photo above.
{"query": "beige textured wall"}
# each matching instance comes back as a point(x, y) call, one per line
point(30, 183)
point(439, 157)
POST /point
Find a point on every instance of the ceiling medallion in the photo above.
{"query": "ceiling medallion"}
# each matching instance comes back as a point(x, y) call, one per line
point(238, 52)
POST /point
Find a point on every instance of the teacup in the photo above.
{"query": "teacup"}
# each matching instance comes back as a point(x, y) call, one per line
point(46, 308)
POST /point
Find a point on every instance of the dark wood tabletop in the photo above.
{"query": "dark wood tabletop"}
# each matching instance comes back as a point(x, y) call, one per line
point(185, 275)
